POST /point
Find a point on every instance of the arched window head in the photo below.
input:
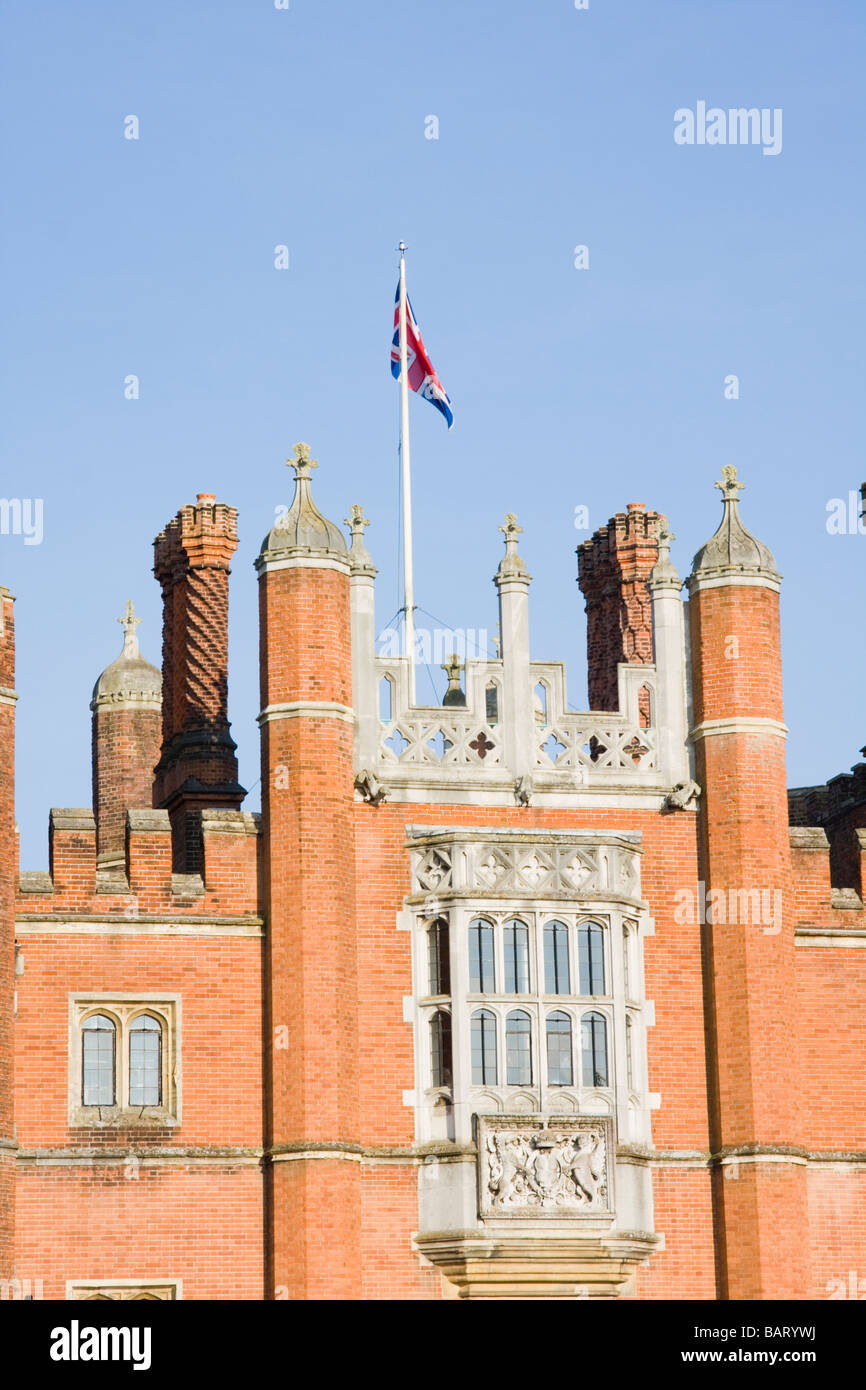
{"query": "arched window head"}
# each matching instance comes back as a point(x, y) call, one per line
point(539, 704)
point(593, 1048)
point(485, 1067)
point(440, 1048)
point(386, 699)
point(515, 949)
point(438, 958)
point(590, 958)
point(518, 1049)
point(145, 1061)
point(556, 958)
point(560, 1069)
point(98, 1037)
point(482, 974)
point(491, 703)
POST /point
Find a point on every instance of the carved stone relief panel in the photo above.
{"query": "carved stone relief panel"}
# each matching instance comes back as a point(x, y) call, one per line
point(532, 1165)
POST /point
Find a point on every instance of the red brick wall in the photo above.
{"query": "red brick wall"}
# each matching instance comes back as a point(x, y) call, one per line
point(203, 1221)
point(199, 1223)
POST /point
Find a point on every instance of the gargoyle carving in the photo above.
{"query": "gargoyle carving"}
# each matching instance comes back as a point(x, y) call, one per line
point(523, 790)
point(682, 796)
point(368, 784)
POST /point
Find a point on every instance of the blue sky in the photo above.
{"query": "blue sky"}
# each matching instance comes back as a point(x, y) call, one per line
point(598, 387)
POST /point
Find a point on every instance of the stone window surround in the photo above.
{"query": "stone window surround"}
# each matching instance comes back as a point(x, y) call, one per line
point(124, 1290)
point(123, 1008)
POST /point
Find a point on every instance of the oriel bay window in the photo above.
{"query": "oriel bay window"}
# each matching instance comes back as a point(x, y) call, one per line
point(535, 1001)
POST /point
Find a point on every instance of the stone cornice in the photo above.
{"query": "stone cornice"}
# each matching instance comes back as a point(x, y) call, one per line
point(271, 560)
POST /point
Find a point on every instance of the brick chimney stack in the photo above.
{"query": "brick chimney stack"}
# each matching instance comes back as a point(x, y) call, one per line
point(8, 887)
point(127, 720)
point(613, 573)
point(198, 769)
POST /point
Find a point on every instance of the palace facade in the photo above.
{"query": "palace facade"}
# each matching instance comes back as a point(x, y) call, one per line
point(494, 999)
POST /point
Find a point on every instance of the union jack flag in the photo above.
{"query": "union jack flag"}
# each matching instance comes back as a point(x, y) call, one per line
point(422, 377)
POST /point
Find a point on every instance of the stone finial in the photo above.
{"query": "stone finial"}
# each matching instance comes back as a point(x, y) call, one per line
point(356, 521)
point(301, 461)
point(360, 559)
point(511, 565)
point(129, 678)
point(664, 571)
point(733, 548)
point(302, 528)
point(452, 667)
point(729, 486)
point(130, 623)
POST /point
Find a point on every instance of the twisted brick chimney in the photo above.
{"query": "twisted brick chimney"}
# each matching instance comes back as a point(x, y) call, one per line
point(613, 573)
point(198, 769)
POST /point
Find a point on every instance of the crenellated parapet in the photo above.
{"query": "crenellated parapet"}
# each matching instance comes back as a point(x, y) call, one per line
point(143, 882)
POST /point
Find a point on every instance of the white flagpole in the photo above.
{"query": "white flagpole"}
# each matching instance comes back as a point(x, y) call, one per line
point(408, 590)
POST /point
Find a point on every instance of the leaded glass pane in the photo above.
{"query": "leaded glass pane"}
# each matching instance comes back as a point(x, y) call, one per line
point(556, 958)
point(483, 1038)
point(593, 1045)
point(97, 1060)
point(590, 954)
point(145, 1062)
point(481, 971)
point(518, 1049)
point(440, 1047)
point(515, 943)
point(438, 958)
point(559, 1064)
